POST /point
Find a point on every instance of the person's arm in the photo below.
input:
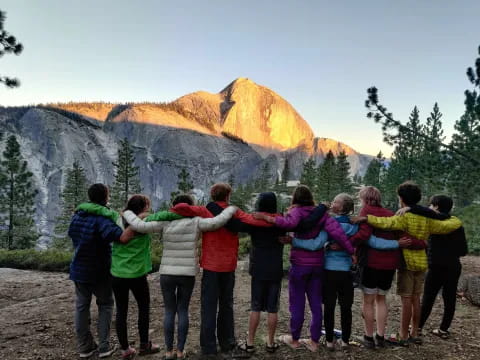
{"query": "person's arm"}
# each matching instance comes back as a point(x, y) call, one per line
point(427, 212)
point(289, 221)
point(141, 226)
point(378, 243)
point(218, 221)
point(362, 235)
point(312, 219)
point(413, 243)
point(164, 216)
point(127, 235)
point(441, 227)
point(350, 229)
point(314, 244)
point(336, 233)
point(388, 223)
point(109, 231)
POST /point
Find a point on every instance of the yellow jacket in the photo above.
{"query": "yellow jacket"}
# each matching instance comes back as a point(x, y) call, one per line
point(419, 227)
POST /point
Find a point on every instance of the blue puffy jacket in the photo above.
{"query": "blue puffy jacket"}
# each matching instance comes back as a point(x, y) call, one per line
point(92, 237)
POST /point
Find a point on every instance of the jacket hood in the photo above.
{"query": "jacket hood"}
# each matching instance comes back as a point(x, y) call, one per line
point(266, 202)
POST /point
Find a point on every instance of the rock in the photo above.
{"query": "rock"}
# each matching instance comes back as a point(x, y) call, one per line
point(469, 287)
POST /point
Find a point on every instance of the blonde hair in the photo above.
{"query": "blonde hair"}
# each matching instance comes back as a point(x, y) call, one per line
point(370, 195)
point(348, 205)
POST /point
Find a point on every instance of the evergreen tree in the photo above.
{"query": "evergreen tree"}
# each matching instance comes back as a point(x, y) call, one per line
point(285, 174)
point(327, 178)
point(8, 45)
point(231, 180)
point(357, 179)
point(74, 193)
point(374, 171)
point(342, 174)
point(262, 182)
point(184, 183)
point(309, 175)
point(17, 196)
point(127, 180)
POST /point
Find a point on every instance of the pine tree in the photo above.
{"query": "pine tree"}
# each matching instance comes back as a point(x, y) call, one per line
point(8, 45)
point(231, 180)
point(309, 175)
point(184, 183)
point(327, 178)
point(262, 182)
point(74, 193)
point(127, 180)
point(17, 196)
point(342, 179)
point(374, 171)
point(285, 174)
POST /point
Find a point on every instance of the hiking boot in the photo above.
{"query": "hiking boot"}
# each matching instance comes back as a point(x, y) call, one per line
point(368, 342)
point(87, 354)
point(108, 353)
point(379, 341)
point(147, 349)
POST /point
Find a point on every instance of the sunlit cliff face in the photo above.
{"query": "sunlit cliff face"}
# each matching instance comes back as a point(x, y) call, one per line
point(244, 109)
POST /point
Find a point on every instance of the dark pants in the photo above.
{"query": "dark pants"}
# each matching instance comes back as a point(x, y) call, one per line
point(176, 291)
point(438, 277)
point(338, 284)
point(141, 292)
point(103, 292)
point(217, 291)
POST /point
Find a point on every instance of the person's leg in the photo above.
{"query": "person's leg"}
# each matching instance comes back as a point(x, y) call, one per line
point(272, 321)
point(449, 295)
point(141, 292)
point(273, 299)
point(83, 298)
point(406, 316)
point(103, 293)
point(169, 287)
point(368, 313)
point(329, 303)
point(418, 283)
point(314, 295)
point(209, 302)
point(345, 300)
point(253, 322)
point(370, 291)
point(257, 304)
point(120, 291)
point(225, 320)
point(297, 284)
point(405, 285)
point(433, 283)
point(381, 314)
point(184, 293)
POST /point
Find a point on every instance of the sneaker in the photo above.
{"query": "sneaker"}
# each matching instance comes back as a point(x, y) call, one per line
point(330, 346)
point(379, 341)
point(147, 349)
point(368, 342)
point(108, 353)
point(344, 345)
point(87, 354)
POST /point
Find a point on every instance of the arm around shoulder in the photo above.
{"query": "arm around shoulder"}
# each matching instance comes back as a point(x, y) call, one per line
point(212, 224)
point(141, 226)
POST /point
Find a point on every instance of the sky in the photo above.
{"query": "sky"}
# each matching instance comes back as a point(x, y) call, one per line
point(321, 56)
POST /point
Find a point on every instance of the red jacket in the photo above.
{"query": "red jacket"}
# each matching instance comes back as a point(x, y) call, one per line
point(220, 247)
point(376, 259)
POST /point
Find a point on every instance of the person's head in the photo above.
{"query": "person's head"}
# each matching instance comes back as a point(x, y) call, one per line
point(183, 199)
point(409, 193)
point(98, 194)
point(266, 202)
point(441, 203)
point(343, 204)
point(221, 192)
point(302, 196)
point(138, 204)
point(370, 195)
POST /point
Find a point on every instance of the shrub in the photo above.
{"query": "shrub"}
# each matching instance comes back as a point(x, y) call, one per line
point(244, 245)
point(30, 259)
point(470, 216)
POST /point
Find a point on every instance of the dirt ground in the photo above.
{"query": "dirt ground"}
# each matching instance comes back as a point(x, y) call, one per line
point(36, 322)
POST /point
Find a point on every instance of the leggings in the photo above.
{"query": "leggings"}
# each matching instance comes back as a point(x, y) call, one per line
point(141, 292)
point(176, 291)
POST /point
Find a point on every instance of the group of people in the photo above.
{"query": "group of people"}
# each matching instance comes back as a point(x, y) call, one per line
point(332, 251)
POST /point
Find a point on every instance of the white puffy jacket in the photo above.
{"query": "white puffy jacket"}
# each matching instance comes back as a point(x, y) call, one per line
point(180, 239)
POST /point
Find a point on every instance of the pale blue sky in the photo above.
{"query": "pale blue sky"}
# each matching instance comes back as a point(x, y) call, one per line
point(319, 55)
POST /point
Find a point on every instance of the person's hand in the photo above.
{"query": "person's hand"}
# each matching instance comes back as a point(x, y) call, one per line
point(358, 219)
point(143, 215)
point(328, 204)
point(285, 239)
point(354, 259)
point(403, 211)
point(404, 242)
point(259, 216)
point(335, 247)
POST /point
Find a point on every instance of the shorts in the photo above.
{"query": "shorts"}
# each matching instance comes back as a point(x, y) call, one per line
point(410, 282)
point(265, 295)
point(376, 282)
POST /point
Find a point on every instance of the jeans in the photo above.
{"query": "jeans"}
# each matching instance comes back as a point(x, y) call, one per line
point(103, 292)
point(305, 280)
point(217, 290)
point(177, 291)
point(141, 292)
point(338, 284)
point(438, 277)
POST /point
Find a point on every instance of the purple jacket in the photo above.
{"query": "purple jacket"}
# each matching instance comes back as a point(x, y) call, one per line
point(330, 225)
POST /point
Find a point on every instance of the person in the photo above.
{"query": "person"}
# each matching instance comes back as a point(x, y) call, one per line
point(179, 264)
point(306, 272)
point(131, 263)
point(93, 229)
point(444, 267)
point(266, 271)
point(219, 261)
point(410, 279)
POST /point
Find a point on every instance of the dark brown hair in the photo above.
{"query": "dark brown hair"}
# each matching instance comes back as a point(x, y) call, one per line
point(443, 202)
point(348, 205)
point(137, 203)
point(183, 198)
point(220, 191)
point(302, 196)
point(98, 194)
point(410, 193)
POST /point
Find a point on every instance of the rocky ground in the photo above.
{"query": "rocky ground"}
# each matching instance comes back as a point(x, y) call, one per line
point(36, 321)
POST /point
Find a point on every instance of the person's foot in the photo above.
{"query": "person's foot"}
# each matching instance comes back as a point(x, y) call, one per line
point(149, 348)
point(309, 344)
point(181, 354)
point(379, 341)
point(88, 353)
point(289, 341)
point(107, 353)
point(330, 346)
point(169, 355)
point(368, 342)
point(344, 345)
point(129, 354)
